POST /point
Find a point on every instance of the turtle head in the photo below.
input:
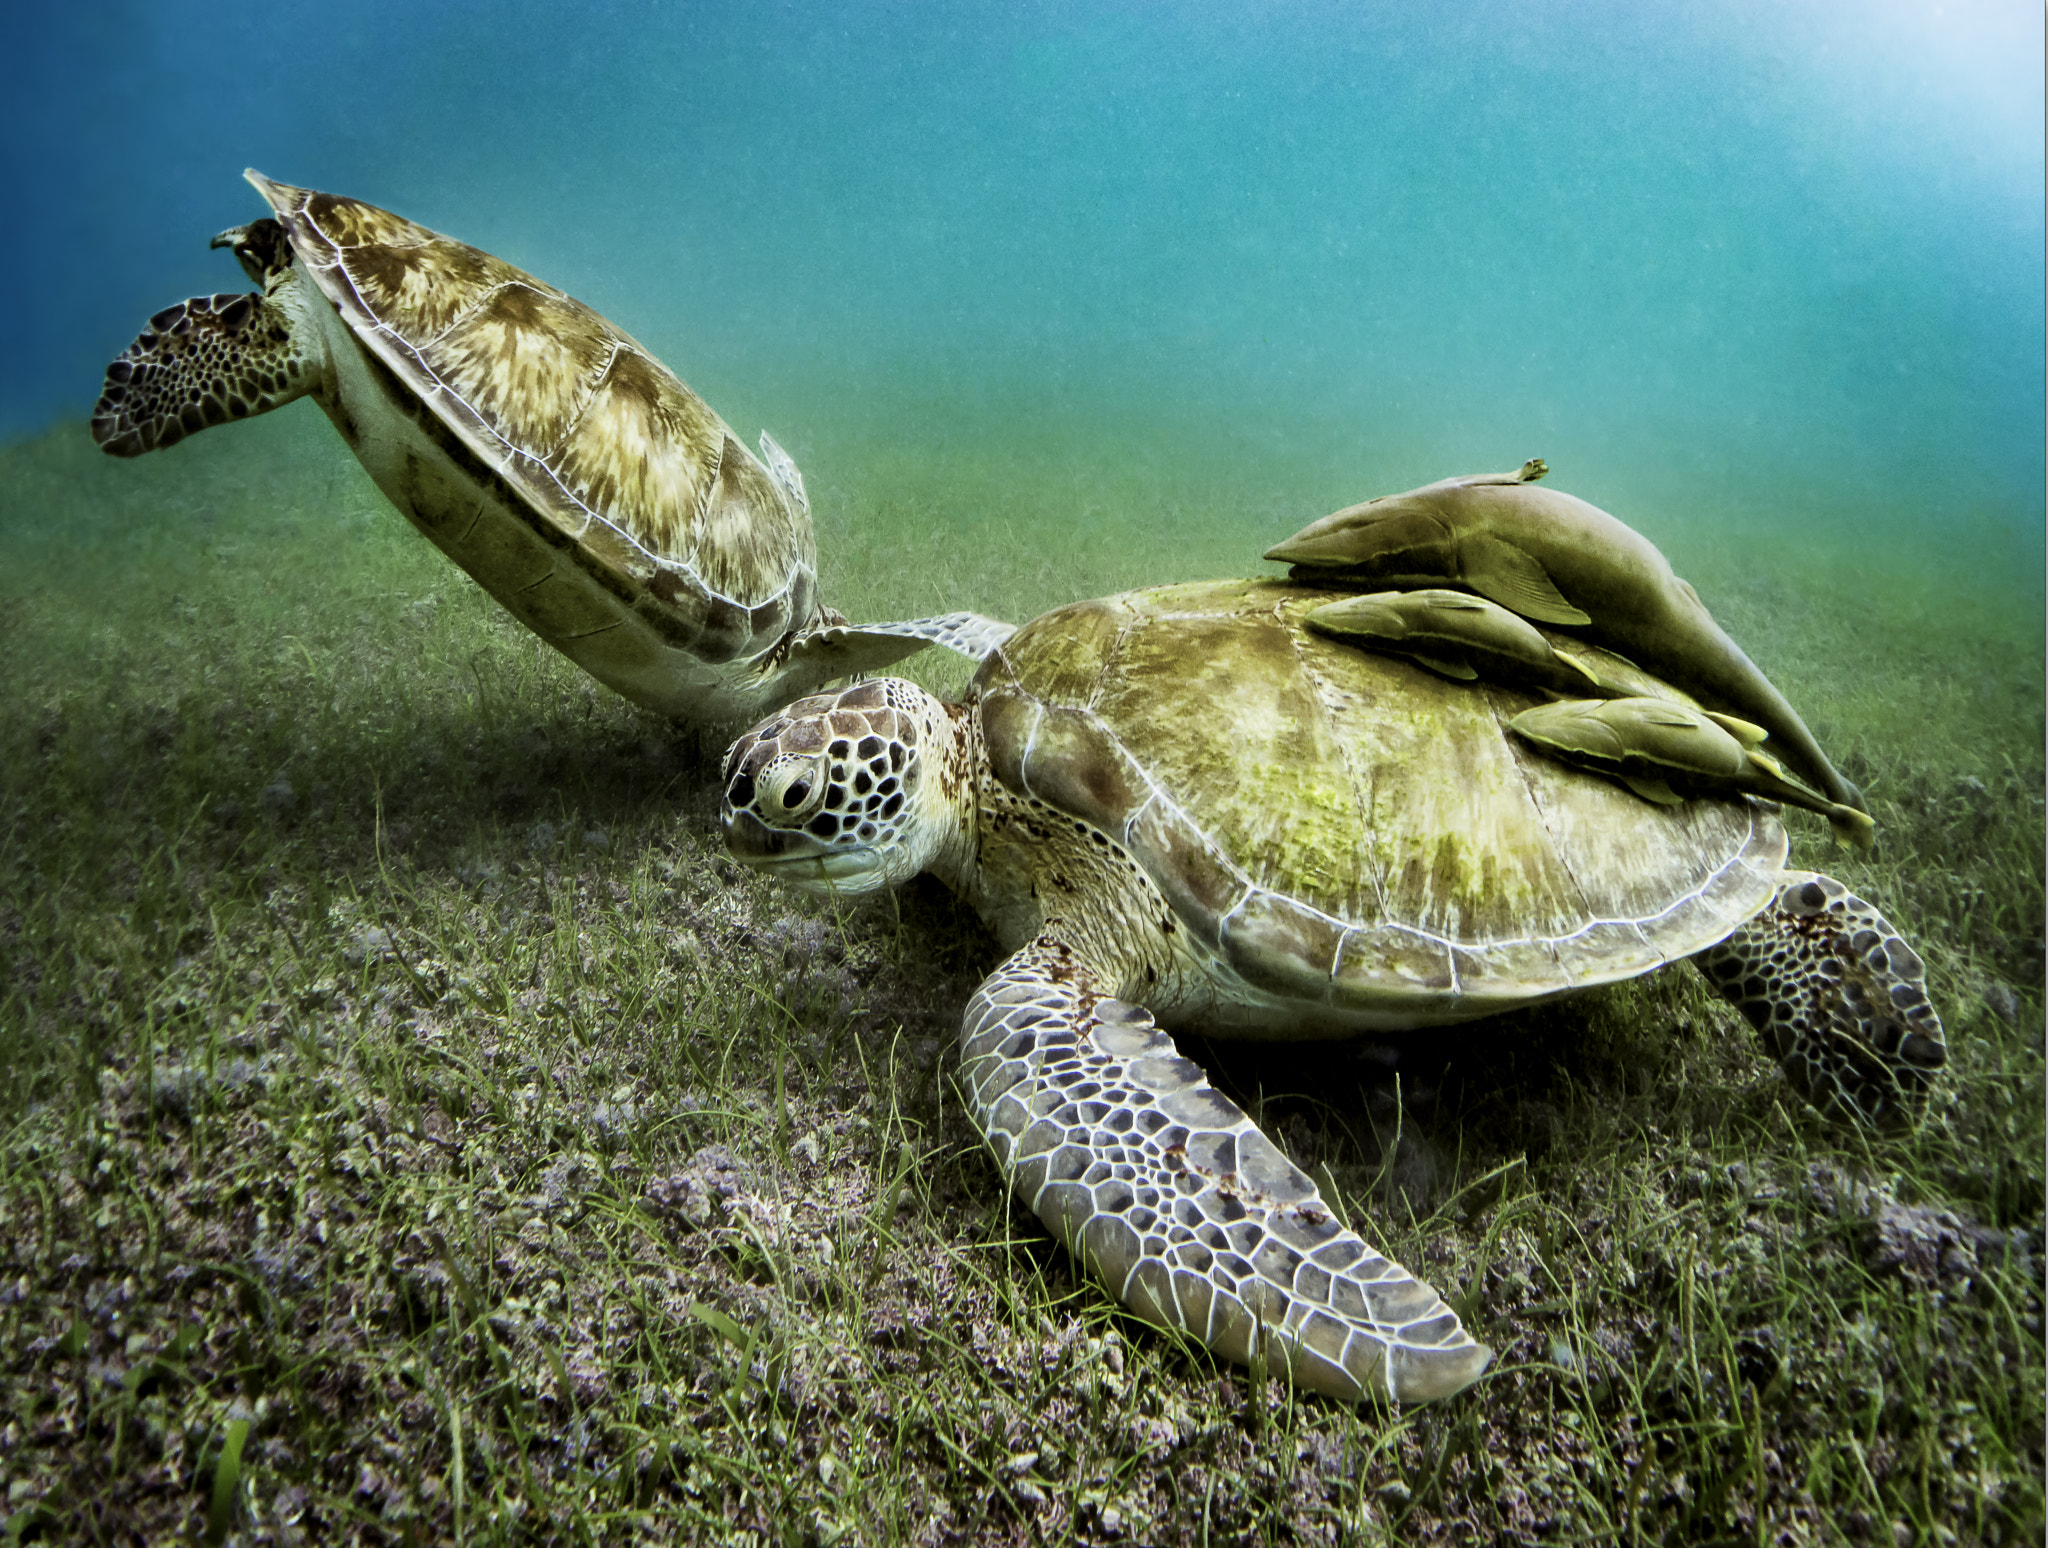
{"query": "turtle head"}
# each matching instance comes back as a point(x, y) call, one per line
point(259, 247)
point(850, 791)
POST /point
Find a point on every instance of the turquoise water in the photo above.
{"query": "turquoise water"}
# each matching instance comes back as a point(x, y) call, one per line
point(1751, 266)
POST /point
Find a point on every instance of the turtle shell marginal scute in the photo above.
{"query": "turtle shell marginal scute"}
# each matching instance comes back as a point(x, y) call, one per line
point(1198, 880)
point(1009, 719)
point(598, 437)
point(1346, 827)
point(1277, 943)
point(342, 222)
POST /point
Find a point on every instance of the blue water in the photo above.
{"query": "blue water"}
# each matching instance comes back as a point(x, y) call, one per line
point(1790, 252)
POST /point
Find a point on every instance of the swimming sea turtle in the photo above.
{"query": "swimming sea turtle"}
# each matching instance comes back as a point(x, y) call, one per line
point(549, 455)
point(1553, 558)
point(1186, 804)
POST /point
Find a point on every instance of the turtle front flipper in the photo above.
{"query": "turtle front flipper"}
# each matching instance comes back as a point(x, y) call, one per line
point(201, 363)
point(840, 649)
point(1839, 998)
point(1169, 1193)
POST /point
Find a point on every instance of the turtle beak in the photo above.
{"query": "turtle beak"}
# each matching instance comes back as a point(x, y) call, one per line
point(797, 856)
point(752, 842)
point(258, 247)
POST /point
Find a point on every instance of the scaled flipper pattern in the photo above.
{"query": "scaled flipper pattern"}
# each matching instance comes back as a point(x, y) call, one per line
point(200, 363)
point(1838, 996)
point(970, 634)
point(1169, 1193)
point(840, 650)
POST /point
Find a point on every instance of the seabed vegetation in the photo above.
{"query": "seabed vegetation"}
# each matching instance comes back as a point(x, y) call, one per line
point(412, 1128)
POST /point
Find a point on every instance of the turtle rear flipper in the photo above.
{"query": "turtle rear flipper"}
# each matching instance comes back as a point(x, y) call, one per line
point(1838, 997)
point(1169, 1193)
point(201, 363)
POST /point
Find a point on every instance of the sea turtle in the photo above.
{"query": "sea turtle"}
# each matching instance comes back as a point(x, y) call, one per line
point(549, 455)
point(1186, 804)
point(1557, 560)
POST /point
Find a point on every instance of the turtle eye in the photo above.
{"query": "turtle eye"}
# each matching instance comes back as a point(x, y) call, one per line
point(791, 791)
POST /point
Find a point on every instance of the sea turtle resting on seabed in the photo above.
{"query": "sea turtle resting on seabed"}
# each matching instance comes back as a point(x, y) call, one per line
point(1189, 804)
point(552, 457)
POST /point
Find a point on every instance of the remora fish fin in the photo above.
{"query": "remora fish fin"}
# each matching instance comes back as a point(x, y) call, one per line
point(1747, 732)
point(1579, 666)
point(1503, 573)
point(1651, 789)
point(1852, 828)
point(1458, 671)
